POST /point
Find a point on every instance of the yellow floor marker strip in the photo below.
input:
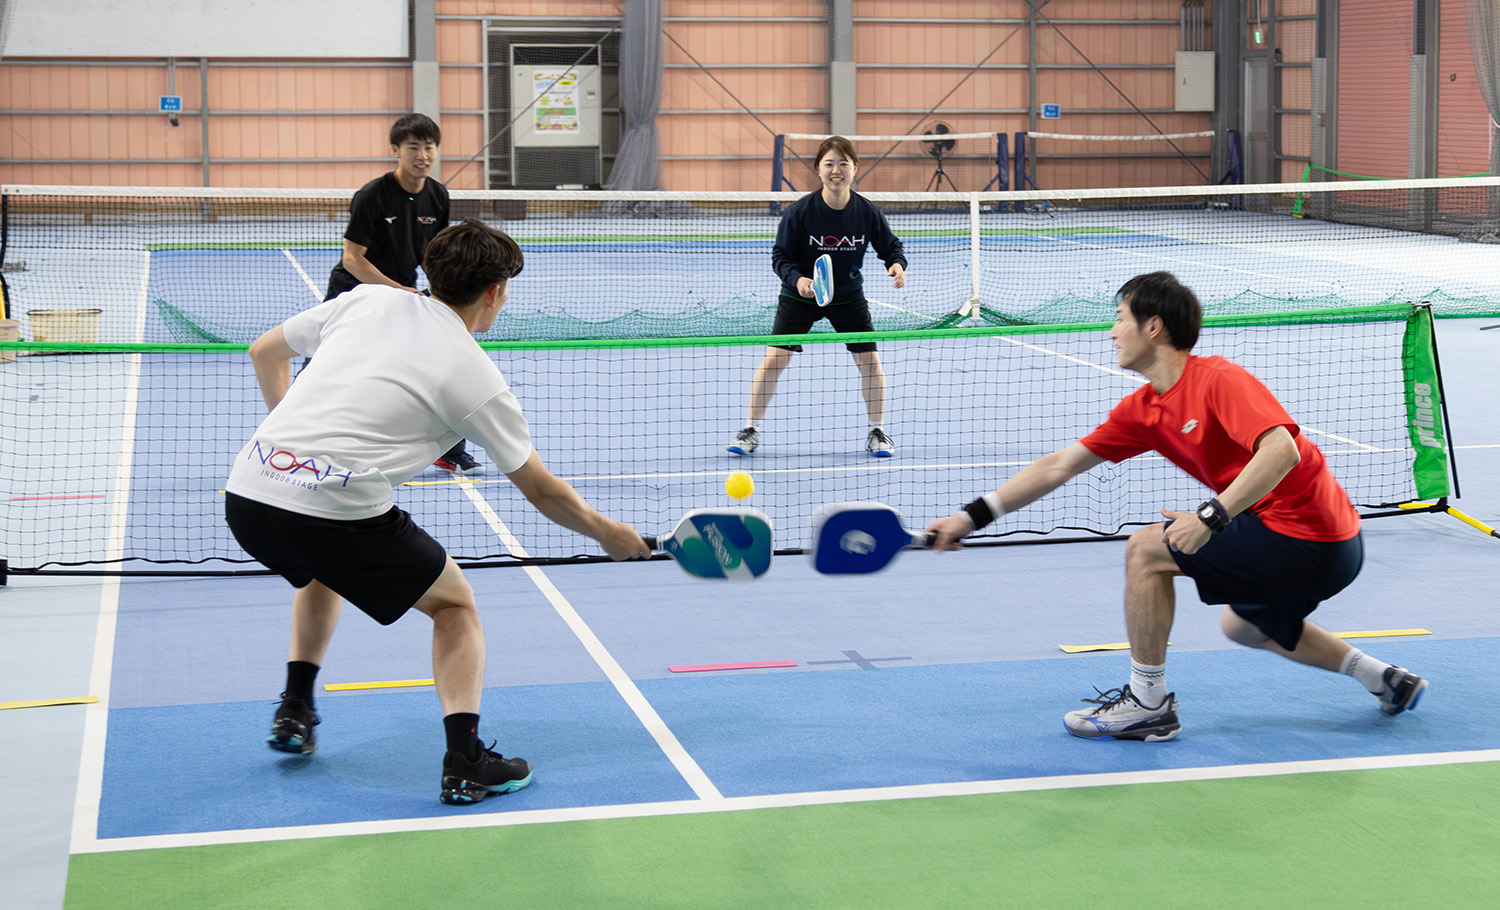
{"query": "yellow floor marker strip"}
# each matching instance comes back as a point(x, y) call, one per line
point(1113, 646)
point(1125, 645)
point(49, 702)
point(390, 684)
point(1381, 633)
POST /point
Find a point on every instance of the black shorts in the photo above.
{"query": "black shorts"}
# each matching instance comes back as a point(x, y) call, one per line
point(795, 316)
point(1269, 579)
point(382, 565)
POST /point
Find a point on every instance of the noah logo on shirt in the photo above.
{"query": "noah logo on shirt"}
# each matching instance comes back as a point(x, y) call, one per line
point(831, 242)
point(285, 466)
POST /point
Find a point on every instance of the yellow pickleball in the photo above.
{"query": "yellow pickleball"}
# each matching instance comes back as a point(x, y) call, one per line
point(739, 485)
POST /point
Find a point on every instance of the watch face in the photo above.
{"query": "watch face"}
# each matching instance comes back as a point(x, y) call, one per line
point(1206, 513)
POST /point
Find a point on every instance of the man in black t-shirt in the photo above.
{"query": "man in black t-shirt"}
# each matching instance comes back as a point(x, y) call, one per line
point(391, 219)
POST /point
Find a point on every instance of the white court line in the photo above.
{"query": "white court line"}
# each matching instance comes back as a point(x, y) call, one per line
point(96, 716)
point(904, 310)
point(665, 738)
point(1137, 379)
point(1357, 445)
point(317, 292)
point(790, 800)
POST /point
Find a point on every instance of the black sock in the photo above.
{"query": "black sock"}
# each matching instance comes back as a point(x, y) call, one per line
point(463, 734)
point(299, 679)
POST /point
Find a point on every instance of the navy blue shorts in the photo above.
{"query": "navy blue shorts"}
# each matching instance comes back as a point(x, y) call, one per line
point(382, 565)
point(1269, 579)
point(796, 317)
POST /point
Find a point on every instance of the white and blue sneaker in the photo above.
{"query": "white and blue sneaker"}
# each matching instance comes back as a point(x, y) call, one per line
point(747, 441)
point(1118, 714)
point(1403, 689)
point(879, 444)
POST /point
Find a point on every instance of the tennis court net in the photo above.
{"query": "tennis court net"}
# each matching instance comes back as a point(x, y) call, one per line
point(115, 455)
point(222, 265)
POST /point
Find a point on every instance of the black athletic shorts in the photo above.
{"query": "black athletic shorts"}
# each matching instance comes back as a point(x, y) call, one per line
point(1269, 579)
point(382, 565)
point(796, 316)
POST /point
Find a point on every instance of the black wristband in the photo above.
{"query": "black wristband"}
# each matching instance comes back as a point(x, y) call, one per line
point(980, 513)
point(1214, 515)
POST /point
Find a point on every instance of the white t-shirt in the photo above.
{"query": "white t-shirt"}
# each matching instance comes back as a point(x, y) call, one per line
point(397, 380)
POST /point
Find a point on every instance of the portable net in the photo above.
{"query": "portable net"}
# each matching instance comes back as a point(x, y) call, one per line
point(116, 454)
point(1051, 159)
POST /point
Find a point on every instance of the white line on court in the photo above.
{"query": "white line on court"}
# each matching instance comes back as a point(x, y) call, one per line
point(789, 800)
point(665, 738)
point(317, 292)
point(96, 716)
point(1137, 379)
point(904, 310)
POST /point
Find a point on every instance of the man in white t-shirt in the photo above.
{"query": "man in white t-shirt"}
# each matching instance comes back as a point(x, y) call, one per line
point(395, 383)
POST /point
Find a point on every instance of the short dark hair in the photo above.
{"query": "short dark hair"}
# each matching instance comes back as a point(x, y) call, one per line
point(416, 126)
point(837, 144)
point(464, 259)
point(1161, 294)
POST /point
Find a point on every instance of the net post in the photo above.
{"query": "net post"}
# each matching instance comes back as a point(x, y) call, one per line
point(1437, 369)
point(1002, 168)
point(4, 291)
point(1426, 415)
point(778, 170)
point(974, 257)
point(4, 572)
point(778, 174)
point(1020, 165)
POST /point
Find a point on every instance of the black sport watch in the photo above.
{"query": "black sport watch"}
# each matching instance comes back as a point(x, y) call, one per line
point(1213, 514)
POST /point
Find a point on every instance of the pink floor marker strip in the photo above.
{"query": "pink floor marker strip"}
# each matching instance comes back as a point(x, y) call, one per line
point(750, 665)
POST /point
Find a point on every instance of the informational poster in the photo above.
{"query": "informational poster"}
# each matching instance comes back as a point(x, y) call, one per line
point(556, 109)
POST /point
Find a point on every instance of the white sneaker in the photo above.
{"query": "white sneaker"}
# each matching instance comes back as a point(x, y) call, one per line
point(1403, 689)
point(746, 442)
point(1119, 715)
point(879, 444)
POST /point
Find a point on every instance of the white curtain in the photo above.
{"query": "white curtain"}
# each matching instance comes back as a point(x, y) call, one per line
point(638, 162)
point(1484, 40)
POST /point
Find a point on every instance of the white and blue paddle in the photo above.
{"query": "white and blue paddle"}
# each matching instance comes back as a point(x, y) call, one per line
point(855, 538)
point(822, 280)
point(719, 543)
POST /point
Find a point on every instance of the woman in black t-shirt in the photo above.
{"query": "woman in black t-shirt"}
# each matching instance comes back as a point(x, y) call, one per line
point(843, 224)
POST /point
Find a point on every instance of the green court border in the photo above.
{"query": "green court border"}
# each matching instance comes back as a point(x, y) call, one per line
point(1403, 837)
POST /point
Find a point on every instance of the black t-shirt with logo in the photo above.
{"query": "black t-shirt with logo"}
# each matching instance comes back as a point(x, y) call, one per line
point(394, 227)
point(809, 228)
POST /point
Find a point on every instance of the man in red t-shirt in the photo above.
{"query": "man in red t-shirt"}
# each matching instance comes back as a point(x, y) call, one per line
point(1279, 537)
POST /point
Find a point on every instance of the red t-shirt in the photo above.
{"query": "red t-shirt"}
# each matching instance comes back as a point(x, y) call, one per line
point(1207, 424)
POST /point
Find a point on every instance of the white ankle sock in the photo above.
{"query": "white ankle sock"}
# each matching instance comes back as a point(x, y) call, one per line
point(1148, 684)
point(1369, 671)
